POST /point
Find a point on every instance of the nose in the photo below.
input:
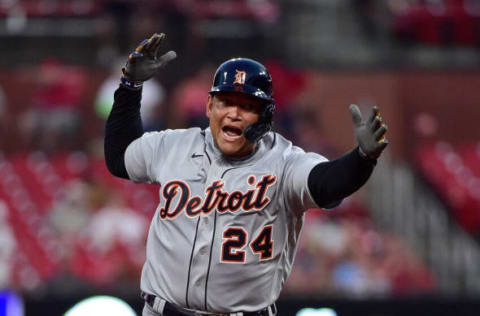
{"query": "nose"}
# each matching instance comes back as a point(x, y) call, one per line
point(234, 112)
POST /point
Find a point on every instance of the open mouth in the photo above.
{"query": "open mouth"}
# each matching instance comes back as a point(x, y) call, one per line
point(232, 131)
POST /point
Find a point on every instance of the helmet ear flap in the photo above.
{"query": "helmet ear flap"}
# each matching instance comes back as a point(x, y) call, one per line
point(254, 132)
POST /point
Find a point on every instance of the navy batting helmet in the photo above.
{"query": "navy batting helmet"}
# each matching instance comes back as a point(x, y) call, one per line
point(250, 77)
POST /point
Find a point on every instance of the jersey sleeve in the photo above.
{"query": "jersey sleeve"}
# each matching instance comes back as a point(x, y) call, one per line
point(142, 153)
point(295, 185)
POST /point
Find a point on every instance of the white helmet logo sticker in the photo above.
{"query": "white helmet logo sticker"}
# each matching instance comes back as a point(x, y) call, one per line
point(240, 77)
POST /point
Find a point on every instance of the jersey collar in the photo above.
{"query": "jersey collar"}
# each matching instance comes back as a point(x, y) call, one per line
point(257, 154)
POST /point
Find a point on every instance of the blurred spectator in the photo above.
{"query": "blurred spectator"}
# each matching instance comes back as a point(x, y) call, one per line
point(70, 214)
point(289, 84)
point(190, 97)
point(107, 49)
point(425, 129)
point(342, 255)
point(425, 125)
point(117, 223)
point(308, 132)
point(53, 122)
point(406, 272)
point(7, 248)
point(110, 249)
point(350, 278)
point(153, 98)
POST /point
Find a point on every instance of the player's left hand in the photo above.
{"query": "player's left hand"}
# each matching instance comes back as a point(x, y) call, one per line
point(370, 134)
point(146, 60)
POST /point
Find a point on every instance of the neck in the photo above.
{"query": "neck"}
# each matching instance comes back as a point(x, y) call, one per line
point(237, 157)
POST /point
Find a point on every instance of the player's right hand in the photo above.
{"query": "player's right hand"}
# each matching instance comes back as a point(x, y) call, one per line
point(370, 134)
point(146, 60)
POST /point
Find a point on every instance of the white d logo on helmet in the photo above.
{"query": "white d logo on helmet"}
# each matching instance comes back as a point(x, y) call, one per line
point(240, 77)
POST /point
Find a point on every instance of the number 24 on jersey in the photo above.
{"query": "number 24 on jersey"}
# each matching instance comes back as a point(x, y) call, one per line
point(235, 240)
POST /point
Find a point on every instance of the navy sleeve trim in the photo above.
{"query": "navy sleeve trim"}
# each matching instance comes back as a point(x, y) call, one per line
point(123, 126)
point(332, 181)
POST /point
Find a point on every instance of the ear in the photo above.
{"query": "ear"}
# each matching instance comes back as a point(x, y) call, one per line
point(209, 105)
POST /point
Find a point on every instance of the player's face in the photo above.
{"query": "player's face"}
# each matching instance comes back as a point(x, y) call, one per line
point(229, 114)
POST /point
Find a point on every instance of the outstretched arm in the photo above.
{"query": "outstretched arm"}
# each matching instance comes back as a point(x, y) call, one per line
point(124, 124)
point(330, 182)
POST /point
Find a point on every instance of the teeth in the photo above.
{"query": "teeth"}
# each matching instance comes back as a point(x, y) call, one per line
point(232, 131)
point(229, 134)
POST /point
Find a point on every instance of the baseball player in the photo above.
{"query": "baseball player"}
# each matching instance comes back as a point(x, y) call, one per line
point(232, 196)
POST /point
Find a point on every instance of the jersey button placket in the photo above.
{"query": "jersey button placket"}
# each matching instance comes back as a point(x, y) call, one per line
point(201, 258)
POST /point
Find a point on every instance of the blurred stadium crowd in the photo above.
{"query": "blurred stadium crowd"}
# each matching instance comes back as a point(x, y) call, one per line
point(67, 225)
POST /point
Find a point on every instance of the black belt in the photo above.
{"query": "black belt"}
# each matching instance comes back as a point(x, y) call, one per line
point(173, 310)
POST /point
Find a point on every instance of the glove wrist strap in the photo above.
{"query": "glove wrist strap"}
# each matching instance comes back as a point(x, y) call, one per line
point(130, 84)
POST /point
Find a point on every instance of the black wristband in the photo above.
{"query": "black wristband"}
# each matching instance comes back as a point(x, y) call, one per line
point(132, 85)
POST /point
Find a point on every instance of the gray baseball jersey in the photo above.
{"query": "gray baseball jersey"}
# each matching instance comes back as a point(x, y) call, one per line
point(224, 235)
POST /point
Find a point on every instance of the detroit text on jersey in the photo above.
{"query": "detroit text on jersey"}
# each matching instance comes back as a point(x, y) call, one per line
point(177, 198)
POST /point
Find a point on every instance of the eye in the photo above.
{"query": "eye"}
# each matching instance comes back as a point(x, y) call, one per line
point(248, 107)
point(223, 102)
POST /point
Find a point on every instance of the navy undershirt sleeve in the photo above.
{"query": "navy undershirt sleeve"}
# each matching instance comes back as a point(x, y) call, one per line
point(330, 182)
point(124, 125)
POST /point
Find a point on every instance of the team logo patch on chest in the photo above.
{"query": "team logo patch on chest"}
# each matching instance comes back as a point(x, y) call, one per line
point(177, 198)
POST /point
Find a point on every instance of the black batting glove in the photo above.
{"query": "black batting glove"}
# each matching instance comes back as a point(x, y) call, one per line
point(144, 62)
point(370, 134)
